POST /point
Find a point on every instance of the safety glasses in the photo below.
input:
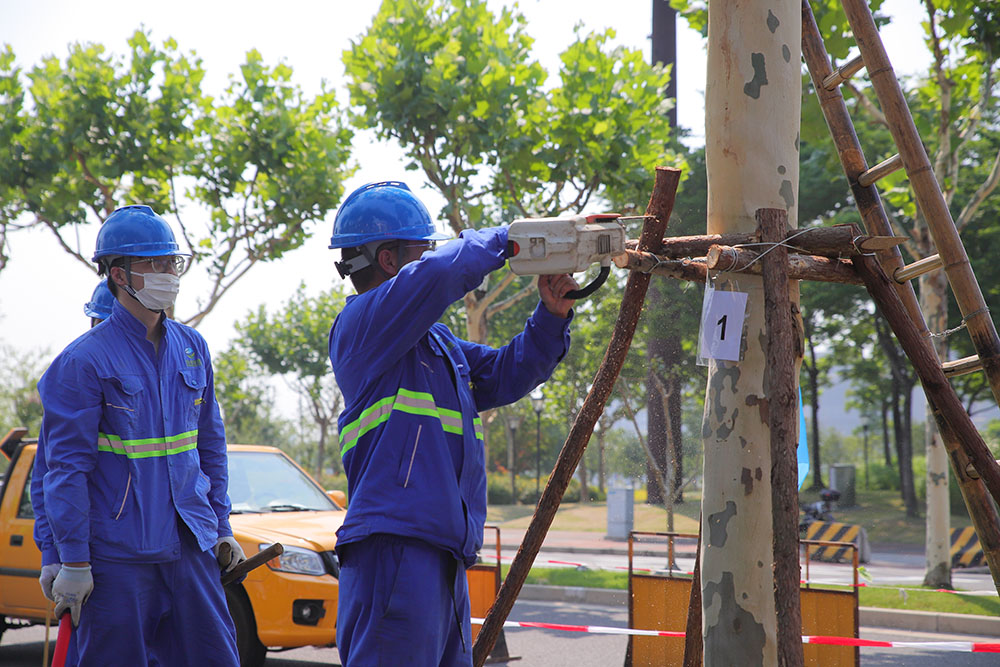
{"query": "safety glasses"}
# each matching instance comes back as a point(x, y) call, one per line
point(164, 264)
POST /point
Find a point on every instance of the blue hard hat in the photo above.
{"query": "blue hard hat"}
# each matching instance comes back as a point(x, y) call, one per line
point(100, 303)
point(382, 211)
point(135, 231)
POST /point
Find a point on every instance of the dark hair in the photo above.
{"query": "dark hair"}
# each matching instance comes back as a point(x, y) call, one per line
point(364, 279)
point(105, 266)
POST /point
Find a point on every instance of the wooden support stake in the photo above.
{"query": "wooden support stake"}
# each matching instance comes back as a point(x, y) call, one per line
point(799, 267)
point(834, 241)
point(661, 204)
point(782, 408)
point(694, 643)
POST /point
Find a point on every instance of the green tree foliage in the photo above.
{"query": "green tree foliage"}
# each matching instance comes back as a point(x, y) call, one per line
point(247, 403)
point(96, 131)
point(292, 342)
point(20, 404)
point(456, 86)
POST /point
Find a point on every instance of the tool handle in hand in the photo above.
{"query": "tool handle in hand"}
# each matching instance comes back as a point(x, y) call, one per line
point(62, 639)
point(253, 563)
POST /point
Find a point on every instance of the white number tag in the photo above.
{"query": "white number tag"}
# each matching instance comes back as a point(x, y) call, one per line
point(722, 318)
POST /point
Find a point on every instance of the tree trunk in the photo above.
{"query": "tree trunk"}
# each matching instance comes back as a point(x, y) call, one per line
point(752, 103)
point(674, 417)
point(902, 402)
point(321, 449)
point(937, 545)
point(584, 492)
point(886, 450)
point(656, 423)
point(812, 373)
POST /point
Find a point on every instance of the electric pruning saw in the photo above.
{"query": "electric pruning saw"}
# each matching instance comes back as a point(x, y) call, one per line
point(546, 246)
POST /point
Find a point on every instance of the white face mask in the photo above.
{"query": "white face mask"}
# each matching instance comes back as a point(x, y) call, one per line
point(159, 290)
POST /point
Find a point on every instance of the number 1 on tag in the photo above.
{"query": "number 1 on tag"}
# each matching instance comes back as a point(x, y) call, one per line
point(722, 324)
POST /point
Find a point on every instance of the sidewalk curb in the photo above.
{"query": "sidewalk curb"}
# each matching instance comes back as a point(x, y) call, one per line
point(899, 619)
point(605, 551)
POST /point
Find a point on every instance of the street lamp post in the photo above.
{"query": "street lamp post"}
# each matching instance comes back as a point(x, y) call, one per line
point(513, 421)
point(538, 402)
point(864, 429)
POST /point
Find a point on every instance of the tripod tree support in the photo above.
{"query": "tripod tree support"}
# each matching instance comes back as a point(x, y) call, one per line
point(661, 204)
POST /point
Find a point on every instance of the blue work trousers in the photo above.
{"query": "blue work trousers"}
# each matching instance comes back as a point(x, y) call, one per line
point(402, 602)
point(157, 614)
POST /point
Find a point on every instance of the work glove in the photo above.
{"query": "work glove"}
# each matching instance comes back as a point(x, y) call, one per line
point(71, 588)
point(228, 552)
point(49, 573)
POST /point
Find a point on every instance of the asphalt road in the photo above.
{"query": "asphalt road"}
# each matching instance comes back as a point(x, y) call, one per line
point(550, 648)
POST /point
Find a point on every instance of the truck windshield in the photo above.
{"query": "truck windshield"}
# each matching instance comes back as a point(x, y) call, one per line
point(269, 482)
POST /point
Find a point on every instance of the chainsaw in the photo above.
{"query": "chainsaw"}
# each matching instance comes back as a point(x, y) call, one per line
point(548, 246)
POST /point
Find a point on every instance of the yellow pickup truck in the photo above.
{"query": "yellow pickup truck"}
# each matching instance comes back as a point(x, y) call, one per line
point(289, 603)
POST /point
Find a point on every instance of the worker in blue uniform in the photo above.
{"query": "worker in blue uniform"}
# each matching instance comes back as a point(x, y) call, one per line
point(134, 509)
point(410, 435)
point(99, 307)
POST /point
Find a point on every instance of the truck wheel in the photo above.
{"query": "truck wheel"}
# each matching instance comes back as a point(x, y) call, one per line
point(252, 652)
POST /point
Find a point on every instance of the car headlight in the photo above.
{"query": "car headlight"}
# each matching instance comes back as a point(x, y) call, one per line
point(297, 561)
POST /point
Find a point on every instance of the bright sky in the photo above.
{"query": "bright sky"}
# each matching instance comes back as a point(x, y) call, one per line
point(42, 290)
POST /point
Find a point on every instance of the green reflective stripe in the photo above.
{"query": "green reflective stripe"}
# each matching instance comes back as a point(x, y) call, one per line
point(147, 447)
point(477, 423)
point(410, 402)
point(451, 421)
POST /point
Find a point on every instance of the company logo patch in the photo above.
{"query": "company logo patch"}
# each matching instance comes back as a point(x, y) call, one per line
point(191, 359)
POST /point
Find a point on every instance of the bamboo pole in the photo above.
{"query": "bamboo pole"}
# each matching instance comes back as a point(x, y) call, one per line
point(984, 516)
point(799, 267)
point(782, 416)
point(959, 434)
point(660, 206)
point(927, 192)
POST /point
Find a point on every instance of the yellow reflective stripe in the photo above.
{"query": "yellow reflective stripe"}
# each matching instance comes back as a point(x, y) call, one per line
point(477, 423)
point(410, 402)
point(147, 447)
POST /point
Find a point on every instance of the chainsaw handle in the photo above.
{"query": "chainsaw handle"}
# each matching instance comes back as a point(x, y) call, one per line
point(253, 563)
point(584, 292)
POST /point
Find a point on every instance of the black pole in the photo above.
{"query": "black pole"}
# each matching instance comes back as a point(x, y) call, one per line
point(665, 47)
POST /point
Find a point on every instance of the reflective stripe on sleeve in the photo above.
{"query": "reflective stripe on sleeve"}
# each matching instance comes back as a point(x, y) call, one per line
point(411, 402)
point(147, 447)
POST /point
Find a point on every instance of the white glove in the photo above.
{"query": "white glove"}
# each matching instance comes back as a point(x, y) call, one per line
point(228, 552)
point(71, 588)
point(49, 573)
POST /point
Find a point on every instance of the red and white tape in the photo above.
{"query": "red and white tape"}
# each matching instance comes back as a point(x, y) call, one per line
point(961, 647)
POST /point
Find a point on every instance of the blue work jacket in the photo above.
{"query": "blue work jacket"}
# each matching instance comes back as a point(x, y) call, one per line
point(410, 435)
point(131, 439)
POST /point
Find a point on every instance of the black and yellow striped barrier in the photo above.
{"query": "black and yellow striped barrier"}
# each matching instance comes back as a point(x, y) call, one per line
point(965, 548)
point(832, 531)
